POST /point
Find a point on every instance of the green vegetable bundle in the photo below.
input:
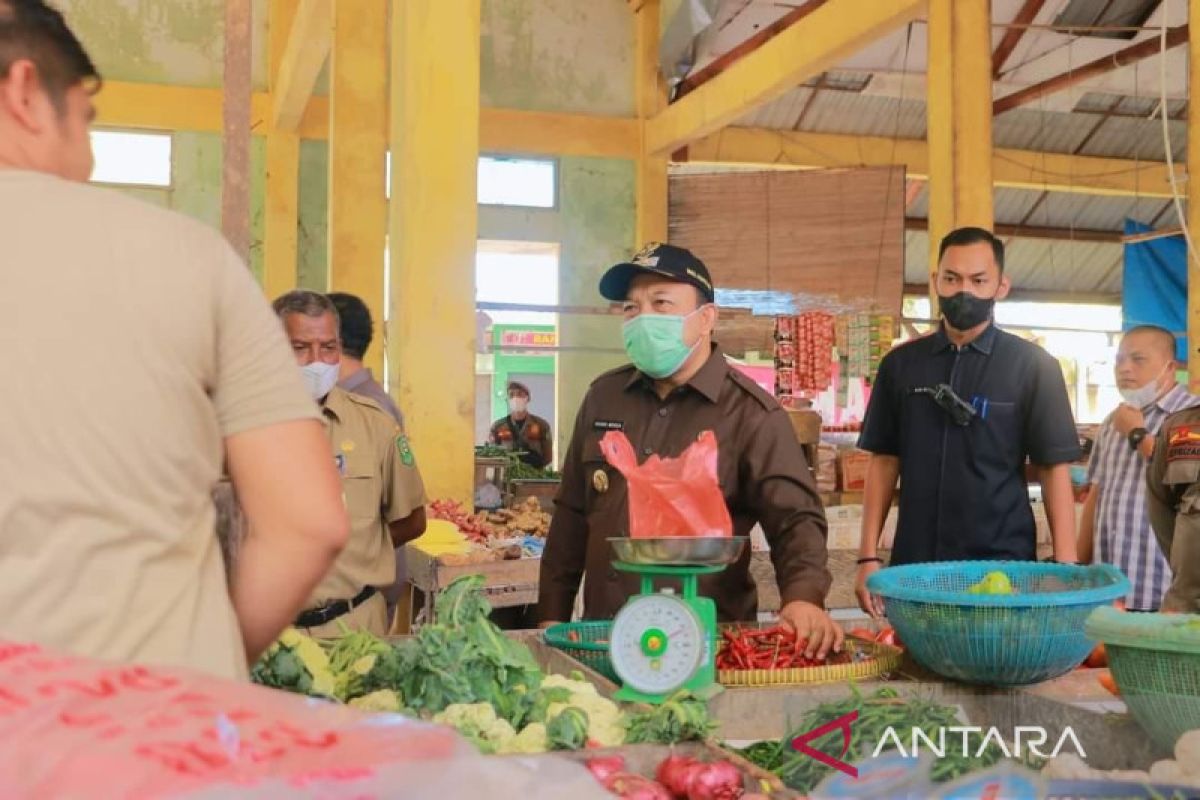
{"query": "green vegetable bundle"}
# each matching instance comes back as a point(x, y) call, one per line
point(681, 718)
point(876, 713)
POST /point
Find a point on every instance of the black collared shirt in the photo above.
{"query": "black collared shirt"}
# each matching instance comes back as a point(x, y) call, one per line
point(963, 491)
point(761, 468)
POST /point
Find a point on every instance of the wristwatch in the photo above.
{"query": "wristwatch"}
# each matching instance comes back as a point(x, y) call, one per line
point(1136, 436)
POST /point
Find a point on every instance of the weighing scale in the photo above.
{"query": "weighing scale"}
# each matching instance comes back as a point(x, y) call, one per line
point(661, 641)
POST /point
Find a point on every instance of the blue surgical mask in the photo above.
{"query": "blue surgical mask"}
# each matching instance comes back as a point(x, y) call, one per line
point(655, 343)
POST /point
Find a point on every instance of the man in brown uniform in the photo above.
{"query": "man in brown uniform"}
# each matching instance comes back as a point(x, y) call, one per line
point(382, 486)
point(521, 431)
point(1173, 504)
point(142, 356)
point(678, 386)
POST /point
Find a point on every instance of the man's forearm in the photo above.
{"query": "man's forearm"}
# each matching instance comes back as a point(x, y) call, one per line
point(1085, 544)
point(272, 581)
point(1060, 510)
point(880, 488)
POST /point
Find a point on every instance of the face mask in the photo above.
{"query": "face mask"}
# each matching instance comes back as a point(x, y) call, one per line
point(517, 405)
point(655, 343)
point(319, 378)
point(964, 310)
point(1143, 395)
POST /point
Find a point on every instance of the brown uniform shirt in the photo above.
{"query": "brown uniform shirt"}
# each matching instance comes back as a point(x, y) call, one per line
point(381, 484)
point(761, 468)
point(135, 341)
point(1173, 504)
point(531, 436)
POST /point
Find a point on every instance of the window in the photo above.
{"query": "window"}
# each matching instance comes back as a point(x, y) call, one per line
point(132, 159)
point(517, 182)
point(524, 273)
point(520, 182)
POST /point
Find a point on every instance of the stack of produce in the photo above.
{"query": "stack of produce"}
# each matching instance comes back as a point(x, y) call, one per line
point(1183, 770)
point(464, 672)
point(678, 777)
point(769, 648)
point(495, 535)
point(868, 339)
point(803, 355)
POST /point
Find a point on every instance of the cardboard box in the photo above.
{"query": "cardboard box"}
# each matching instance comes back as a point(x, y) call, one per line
point(852, 470)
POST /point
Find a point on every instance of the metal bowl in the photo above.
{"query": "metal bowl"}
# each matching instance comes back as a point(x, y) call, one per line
point(680, 550)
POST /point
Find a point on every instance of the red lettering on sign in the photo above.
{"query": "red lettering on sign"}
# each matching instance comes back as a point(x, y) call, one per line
point(77, 720)
point(11, 701)
point(143, 680)
point(190, 758)
point(290, 734)
point(103, 687)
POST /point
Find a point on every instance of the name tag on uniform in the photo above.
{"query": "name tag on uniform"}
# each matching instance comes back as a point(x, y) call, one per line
point(608, 425)
point(340, 461)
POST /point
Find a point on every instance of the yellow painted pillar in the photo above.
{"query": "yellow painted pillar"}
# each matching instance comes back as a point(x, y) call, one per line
point(1193, 198)
point(959, 116)
point(358, 140)
point(651, 97)
point(280, 234)
point(434, 219)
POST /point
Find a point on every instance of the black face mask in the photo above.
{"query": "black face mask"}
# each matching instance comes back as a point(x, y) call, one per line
point(964, 310)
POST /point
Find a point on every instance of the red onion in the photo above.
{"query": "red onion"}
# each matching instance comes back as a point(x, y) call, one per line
point(675, 772)
point(604, 769)
point(635, 787)
point(720, 780)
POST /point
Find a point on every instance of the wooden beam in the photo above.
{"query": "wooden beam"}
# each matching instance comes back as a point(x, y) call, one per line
point(503, 130)
point(358, 144)
point(1101, 66)
point(1193, 206)
point(1038, 296)
point(734, 54)
point(434, 220)
point(651, 189)
point(836, 29)
point(1034, 232)
point(307, 50)
point(1020, 169)
point(1012, 37)
point(235, 141)
point(281, 207)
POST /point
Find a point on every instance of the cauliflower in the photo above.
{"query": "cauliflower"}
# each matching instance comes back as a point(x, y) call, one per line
point(295, 663)
point(606, 723)
point(479, 723)
point(381, 700)
point(530, 740)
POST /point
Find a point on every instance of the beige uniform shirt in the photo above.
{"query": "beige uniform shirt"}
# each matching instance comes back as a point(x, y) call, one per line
point(134, 341)
point(382, 485)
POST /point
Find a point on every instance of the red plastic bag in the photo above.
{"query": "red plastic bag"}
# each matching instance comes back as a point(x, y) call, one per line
point(671, 496)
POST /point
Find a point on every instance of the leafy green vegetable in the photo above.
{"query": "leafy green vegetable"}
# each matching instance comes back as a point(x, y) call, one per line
point(462, 657)
point(362, 663)
point(568, 730)
point(681, 718)
point(295, 663)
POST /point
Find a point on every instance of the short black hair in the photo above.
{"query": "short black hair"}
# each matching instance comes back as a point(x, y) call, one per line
point(30, 29)
point(1166, 339)
point(356, 324)
point(960, 237)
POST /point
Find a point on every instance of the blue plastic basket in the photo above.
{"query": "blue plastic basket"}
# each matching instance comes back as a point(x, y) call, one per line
point(1032, 635)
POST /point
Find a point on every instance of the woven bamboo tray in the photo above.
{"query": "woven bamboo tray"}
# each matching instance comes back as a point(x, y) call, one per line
point(876, 659)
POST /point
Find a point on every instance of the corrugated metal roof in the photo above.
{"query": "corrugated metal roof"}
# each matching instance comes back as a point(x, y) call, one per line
point(1037, 264)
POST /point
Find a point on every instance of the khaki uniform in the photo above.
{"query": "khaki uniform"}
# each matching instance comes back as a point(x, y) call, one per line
point(1173, 503)
point(761, 469)
point(382, 485)
point(135, 342)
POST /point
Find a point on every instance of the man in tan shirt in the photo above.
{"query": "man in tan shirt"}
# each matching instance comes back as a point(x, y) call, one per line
point(383, 489)
point(143, 356)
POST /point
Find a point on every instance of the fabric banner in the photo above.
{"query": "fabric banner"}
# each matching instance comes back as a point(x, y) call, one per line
point(1155, 285)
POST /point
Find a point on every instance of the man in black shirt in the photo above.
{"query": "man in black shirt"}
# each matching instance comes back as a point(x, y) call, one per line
point(956, 414)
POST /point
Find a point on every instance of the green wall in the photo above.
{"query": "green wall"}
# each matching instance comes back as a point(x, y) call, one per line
point(546, 55)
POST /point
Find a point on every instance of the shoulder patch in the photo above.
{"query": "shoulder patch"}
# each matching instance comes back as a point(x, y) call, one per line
point(747, 384)
point(404, 449)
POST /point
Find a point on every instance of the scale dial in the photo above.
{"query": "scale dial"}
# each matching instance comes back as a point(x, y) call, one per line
point(657, 643)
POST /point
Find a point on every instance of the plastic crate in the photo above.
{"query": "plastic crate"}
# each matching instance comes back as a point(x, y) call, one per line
point(1155, 661)
point(1032, 635)
point(586, 642)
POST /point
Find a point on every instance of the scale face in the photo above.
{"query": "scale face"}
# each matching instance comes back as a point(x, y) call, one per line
point(657, 643)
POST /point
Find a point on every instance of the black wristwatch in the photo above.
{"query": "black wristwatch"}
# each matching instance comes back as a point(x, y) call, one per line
point(1136, 436)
